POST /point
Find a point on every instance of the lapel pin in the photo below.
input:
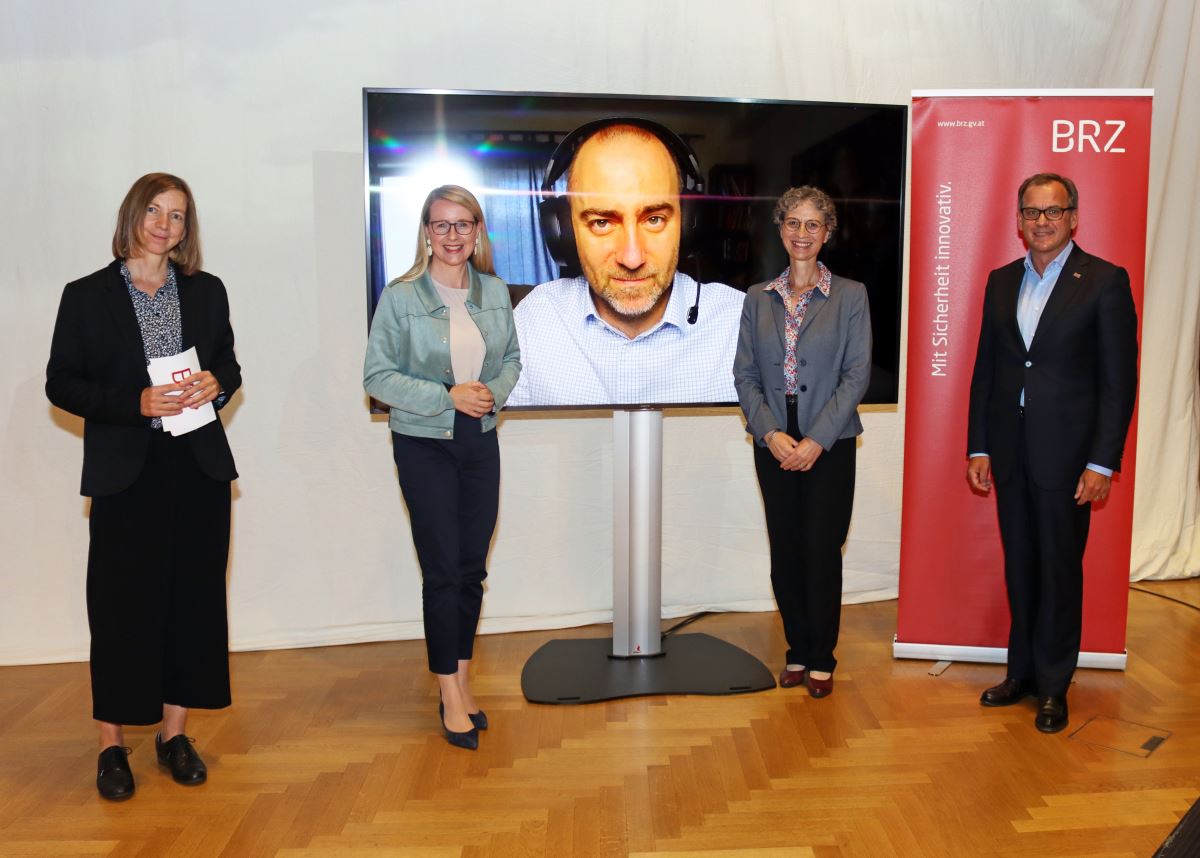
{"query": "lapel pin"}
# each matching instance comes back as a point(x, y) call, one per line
point(1078, 276)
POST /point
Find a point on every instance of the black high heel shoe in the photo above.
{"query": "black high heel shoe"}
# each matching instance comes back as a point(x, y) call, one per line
point(479, 719)
point(468, 739)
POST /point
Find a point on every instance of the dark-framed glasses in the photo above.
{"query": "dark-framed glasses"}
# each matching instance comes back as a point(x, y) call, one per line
point(810, 226)
point(1051, 212)
point(442, 227)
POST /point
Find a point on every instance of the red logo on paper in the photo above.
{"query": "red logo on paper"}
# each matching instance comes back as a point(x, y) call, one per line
point(637, 648)
point(180, 374)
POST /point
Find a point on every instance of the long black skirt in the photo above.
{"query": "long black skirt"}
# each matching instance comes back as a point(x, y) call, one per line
point(156, 593)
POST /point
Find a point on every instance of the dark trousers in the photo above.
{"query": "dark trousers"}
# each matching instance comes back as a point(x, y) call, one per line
point(808, 517)
point(1044, 533)
point(156, 590)
point(452, 488)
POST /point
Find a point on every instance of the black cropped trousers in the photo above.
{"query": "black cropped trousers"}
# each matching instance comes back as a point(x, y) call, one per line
point(156, 594)
point(452, 489)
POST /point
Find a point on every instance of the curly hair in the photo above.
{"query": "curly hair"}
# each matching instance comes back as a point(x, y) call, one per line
point(821, 201)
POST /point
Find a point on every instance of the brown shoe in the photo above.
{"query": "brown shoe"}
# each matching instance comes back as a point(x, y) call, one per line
point(818, 687)
point(790, 678)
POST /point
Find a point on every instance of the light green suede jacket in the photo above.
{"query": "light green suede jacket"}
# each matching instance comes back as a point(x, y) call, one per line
point(408, 352)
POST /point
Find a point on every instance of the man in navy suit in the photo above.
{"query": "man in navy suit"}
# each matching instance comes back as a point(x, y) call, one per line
point(1052, 395)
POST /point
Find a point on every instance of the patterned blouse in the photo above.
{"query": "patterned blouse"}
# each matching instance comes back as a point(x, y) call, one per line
point(158, 319)
point(795, 318)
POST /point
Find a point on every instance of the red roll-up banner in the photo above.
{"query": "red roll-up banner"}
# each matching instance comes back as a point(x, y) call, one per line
point(970, 152)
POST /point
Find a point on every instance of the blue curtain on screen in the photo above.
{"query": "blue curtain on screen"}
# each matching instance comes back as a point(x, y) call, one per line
point(520, 254)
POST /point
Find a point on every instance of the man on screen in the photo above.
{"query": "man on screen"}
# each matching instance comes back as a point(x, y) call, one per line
point(632, 329)
point(1051, 399)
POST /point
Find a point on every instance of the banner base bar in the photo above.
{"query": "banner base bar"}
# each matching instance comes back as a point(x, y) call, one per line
point(995, 654)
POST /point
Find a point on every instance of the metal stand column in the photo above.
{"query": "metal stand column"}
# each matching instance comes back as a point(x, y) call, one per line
point(638, 661)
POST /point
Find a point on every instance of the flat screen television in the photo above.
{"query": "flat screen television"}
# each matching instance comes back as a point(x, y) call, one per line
point(696, 235)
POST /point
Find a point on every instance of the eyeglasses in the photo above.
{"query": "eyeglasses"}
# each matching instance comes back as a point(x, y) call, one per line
point(1051, 213)
point(442, 227)
point(810, 226)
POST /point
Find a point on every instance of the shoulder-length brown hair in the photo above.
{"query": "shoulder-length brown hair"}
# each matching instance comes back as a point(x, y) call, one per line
point(481, 257)
point(127, 235)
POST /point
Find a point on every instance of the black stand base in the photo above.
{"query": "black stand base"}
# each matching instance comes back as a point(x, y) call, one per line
point(584, 670)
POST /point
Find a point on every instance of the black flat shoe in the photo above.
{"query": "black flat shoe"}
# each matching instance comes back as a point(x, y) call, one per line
point(478, 719)
point(181, 758)
point(1007, 693)
point(468, 739)
point(114, 778)
point(1052, 714)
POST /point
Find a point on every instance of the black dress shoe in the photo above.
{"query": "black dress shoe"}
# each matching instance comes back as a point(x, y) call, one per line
point(1007, 693)
point(1052, 714)
point(478, 719)
point(790, 678)
point(181, 758)
point(114, 778)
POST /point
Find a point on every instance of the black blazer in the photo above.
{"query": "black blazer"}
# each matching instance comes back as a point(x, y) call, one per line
point(1079, 373)
point(97, 370)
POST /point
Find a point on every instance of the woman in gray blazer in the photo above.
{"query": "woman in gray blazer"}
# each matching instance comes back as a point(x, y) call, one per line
point(802, 366)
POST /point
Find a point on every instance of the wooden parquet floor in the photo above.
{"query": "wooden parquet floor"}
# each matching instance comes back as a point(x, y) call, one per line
point(334, 752)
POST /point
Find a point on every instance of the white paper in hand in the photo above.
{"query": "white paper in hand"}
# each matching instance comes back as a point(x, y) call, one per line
point(173, 370)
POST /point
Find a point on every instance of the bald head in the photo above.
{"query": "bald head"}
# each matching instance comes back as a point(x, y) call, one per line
point(624, 194)
point(615, 142)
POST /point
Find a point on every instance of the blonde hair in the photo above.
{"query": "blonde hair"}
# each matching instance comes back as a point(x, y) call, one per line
point(481, 258)
point(132, 213)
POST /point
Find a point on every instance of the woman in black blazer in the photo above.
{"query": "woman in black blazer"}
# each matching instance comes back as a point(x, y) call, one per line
point(802, 366)
point(159, 519)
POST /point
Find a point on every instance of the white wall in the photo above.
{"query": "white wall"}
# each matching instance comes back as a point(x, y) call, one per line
point(258, 105)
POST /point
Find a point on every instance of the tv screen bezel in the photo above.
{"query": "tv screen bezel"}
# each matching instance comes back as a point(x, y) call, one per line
point(901, 201)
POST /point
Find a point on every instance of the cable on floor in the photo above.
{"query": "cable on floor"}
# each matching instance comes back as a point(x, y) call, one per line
point(1168, 598)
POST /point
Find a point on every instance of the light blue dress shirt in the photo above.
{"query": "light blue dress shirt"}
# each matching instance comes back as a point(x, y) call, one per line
point(1031, 301)
point(1035, 292)
point(570, 356)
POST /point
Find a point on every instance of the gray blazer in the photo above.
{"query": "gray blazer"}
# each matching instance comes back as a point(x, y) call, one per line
point(833, 362)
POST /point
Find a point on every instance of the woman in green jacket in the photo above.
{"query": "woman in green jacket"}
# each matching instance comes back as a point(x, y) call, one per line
point(443, 356)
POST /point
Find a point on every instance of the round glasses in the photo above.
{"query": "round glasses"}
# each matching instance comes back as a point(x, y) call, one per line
point(809, 226)
point(1051, 213)
point(442, 227)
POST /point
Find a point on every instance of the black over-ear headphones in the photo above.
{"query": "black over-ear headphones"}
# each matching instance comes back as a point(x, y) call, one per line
point(554, 210)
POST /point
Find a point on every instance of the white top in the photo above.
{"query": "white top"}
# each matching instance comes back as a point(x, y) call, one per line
point(466, 343)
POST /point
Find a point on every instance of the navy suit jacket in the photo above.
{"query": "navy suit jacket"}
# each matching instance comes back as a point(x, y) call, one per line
point(1079, 374)
point(97, 370)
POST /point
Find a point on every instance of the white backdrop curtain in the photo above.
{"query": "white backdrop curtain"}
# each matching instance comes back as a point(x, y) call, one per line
point(258, 105)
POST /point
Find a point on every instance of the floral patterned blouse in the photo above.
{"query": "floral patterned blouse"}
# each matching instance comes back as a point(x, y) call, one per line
point(795, 317)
